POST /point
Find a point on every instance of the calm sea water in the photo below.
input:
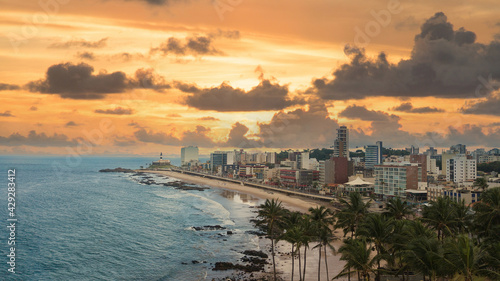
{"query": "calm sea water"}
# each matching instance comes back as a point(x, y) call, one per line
point(75, 223)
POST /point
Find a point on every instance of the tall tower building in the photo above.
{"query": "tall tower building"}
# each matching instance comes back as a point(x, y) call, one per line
point(341, 145)
point(189, 154)
point(373, 155)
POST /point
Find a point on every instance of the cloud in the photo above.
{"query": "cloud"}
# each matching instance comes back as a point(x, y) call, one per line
point(229, 34)
point(209, 118)
point(116, 111)
point(488, 106)
point(8, 87)
point(236, 137)
point(198, 136)
point(71, 124)
point(195, 45)
point(85, 55)
point(265, 96)
point(34, 139)
point(76, 43)
point(123, 141)
point(444, 62)
point(33, 108)
point(362, 113)
point(77, 81)
point(299, 128)
point(6, 114)
point(174, 115)
point(408, 107)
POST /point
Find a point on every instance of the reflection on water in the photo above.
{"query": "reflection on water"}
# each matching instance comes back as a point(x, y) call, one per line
point(240, 197)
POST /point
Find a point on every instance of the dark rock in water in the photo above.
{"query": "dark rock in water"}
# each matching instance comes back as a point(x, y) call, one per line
point(229, 232)
point(117, 170)
point(254, 260)
point(229, 265)
point(255, 253)
point(187, 187)
point(209, 227)
point(184, 263)
point(224, 239)
point(195, 262)
point(255, 232)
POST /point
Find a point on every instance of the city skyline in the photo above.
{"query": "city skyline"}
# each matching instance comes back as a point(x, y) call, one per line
point(140, 77)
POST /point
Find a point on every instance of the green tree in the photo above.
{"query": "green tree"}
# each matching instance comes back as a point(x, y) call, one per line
point(440, 215)
point(356, 253)
point(487, 215)
point(378, 230)
point(294, 233)
point(351, 213)
point(481, 183)
point(397, 209)
point(271, 215)
point(425, 255)
point(463, 257)
point(322, 221)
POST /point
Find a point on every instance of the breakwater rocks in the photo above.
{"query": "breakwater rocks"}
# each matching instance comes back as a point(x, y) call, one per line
point(254, 261)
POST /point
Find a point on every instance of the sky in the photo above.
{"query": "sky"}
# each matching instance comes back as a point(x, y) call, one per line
point(139, 77)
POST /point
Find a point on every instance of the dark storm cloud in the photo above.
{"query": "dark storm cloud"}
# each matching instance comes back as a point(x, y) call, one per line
point(489, 106)
point(362, 113)
point(408, 107)
point(80, 43)
point(77, 81)
point(265, 96)
point(444, 63)
point(8, 87)
point(115, 111)
point(34, 139)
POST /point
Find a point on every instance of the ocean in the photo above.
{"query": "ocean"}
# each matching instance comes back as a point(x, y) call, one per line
point(74, 223)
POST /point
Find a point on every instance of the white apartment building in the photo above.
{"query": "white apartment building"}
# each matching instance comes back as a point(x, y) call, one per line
point(189, 154)
point(460, 169)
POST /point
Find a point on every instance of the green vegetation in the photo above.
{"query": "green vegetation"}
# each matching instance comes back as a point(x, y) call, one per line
point(447, 243)
point(321, 154)
point(397, 152)
point(489, 167)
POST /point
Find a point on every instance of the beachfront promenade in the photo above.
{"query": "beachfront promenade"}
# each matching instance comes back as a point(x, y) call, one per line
point(262, 186)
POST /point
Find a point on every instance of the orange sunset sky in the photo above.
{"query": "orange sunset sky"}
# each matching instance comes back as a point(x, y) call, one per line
point(144, 76)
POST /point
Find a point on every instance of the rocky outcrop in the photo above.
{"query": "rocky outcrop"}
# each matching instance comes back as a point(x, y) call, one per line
point(117, 170)
point(208, 227)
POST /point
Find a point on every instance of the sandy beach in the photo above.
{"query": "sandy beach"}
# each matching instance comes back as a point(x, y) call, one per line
point(295, 203)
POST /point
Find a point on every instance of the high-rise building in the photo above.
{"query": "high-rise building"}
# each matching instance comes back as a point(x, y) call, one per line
point(460, 169)
point(222, 158)
point(271, 157)
point(422, 160)
point(373, 155)
point(341, 144)
point(303, 160)
point(394, 180)
point(189, 154)
point(413, 149)
point(459, 148)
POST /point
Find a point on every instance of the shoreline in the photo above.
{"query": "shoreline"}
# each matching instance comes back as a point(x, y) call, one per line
point(291, 202)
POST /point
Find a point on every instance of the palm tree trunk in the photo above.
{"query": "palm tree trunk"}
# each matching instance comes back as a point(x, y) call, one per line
point(305, 261)
point(293, 260)
point(272, 253)
point(319, 263)
point(300, 266)
point(326, 266)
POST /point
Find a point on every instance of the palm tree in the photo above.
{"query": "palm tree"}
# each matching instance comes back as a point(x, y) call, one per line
point(356, 254)
point(293, 235)
point(322, 220)
point(306, 239)
point(397, 209)
point(377, 229)
point(425, 255)
point(271, 214)
point(463, 257)
point(487, 215)
point(481, 183)
point(440, 216)
point(351, 213)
